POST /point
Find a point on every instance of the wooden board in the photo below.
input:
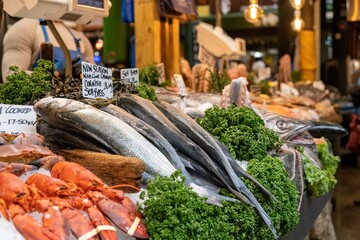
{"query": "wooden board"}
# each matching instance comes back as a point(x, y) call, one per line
point(112, 169)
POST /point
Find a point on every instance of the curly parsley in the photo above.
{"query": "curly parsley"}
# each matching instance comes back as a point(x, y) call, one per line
point(173, 211)
point(320, 181)
point(24, 88)
point(241, 130)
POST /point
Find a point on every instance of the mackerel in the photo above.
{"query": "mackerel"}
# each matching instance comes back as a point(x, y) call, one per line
point(145, 110)
point(199, 135)
point(104, 128)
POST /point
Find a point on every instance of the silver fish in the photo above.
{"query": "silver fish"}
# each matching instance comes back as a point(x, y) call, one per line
point(146, 111)
point(166, 148)
point(106, 129)
point(58, 138)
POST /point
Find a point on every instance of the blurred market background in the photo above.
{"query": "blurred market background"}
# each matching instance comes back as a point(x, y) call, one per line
point(302, 61)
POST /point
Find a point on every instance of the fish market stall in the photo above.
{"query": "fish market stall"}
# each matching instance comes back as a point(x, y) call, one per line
point(235, 172)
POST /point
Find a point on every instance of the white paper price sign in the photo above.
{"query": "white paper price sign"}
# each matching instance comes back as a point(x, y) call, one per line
point(130, 75)
point(181, 85)
point(96, 81)
point(264, 73)
point(206, 57)
point(15, 119)
point(161, 69)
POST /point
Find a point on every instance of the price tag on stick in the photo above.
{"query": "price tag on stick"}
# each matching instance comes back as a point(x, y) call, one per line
point(96, 81)
point(181, 85)
point(15, 119)
point(161, 69)
point(130, 75)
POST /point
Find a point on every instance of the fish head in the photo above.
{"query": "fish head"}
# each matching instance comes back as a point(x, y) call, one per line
point(57, 104)
point(290, 130)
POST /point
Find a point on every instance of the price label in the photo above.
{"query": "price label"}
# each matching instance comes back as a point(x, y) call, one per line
point(130, 75)
point(15, 119)
point(96, 81)
point(264, 73)
point(206, 57)
point(161, 69)
point(181, 85)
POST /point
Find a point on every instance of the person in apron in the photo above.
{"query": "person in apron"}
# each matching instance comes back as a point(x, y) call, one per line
point(22, 45)
point(59, 57)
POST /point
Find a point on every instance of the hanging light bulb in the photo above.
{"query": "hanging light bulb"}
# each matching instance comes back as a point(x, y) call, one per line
point(297, 24)
point(253, 13)
point(297, 4)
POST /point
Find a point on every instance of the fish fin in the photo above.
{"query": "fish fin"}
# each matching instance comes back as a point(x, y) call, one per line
point(212, 197)
point(261, 211)
point(187, 164)
point(146, 177)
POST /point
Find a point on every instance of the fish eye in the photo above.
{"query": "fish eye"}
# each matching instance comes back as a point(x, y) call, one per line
point(281, 124)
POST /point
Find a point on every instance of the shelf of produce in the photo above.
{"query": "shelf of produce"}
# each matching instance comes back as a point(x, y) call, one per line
point(309, 211)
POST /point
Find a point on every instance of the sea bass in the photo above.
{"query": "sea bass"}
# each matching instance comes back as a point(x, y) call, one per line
point(166, 148)
point(146, 111)
point(58, 138)
point(148, 132)
point(110, 131)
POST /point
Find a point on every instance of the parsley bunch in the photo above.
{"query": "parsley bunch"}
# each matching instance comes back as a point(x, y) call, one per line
point(283, 212)
point(241, 130)
point(173, 211)
point(147, 92)
point(23, 88)
point(149, 75)
point(320, 181)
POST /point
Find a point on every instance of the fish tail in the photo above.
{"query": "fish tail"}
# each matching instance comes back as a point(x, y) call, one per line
point(212, 197)
point(261, 211)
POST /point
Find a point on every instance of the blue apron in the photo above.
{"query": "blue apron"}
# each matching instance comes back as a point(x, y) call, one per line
point(59, 57)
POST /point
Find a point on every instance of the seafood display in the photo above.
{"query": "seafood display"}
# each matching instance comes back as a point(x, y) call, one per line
point(56, 199)
point(62, 199)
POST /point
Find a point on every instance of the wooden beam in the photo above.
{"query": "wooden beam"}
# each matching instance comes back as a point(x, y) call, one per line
point(173, 50)
point(147, 32)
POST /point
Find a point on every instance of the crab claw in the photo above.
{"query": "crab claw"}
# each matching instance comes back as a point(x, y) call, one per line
point(16, 168)
point(47, 162)
point(29, 138)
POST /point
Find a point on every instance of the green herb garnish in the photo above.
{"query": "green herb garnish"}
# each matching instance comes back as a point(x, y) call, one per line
point(241, 130)
point(23, 88)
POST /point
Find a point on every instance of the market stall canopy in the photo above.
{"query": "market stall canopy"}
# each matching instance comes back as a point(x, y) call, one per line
point(80, 11)
point(218, 43)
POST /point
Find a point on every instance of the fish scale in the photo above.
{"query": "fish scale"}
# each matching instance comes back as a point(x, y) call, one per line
point(110, 131)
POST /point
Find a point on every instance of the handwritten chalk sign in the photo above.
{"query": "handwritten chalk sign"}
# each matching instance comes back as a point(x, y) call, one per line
point(161, 69)
point(16, 119)
point(264, 73)
point(130, 75)
point(206, 57)
point(181, 85)
point(96, 81)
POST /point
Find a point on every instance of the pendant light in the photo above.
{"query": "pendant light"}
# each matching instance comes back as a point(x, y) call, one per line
point(253, 13)
point(297, 4)
point(297, 24)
